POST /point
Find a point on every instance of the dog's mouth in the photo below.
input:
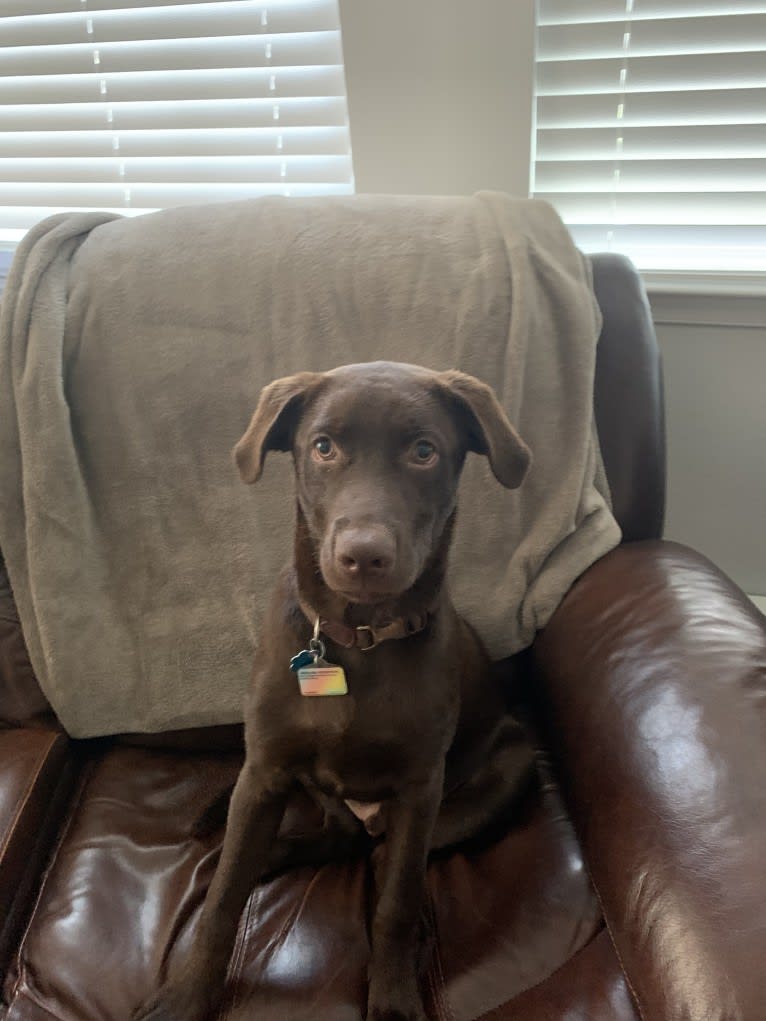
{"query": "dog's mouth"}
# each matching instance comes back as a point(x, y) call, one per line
point(364, 595)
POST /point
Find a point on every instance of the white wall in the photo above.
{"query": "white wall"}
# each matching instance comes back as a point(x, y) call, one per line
point(440, 94)
point(440, 99)
point(714, 352)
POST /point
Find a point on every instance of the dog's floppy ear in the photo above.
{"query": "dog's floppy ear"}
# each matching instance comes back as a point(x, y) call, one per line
point(489, 431)
point(272, 424)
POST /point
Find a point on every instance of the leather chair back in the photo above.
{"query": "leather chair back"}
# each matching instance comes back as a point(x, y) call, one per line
point(628, 399)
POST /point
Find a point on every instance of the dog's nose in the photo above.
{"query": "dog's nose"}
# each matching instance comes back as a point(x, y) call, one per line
point(365, 554)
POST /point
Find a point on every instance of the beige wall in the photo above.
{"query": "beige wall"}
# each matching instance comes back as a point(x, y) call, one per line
point(440, 94)
point(714, 352)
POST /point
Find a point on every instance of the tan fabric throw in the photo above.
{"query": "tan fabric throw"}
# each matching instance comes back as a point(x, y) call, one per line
point(132, 352)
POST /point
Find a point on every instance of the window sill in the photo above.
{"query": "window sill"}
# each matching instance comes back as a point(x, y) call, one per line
point(721, 283)
point(718, 300)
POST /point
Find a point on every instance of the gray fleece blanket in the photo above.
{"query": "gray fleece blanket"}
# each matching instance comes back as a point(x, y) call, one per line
point(132, 352)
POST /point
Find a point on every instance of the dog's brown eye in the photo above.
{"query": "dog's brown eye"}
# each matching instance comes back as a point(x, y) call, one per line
point(324, 448)
point(424, 452)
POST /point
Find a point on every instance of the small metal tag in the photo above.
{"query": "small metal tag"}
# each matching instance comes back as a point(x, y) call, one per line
point(322, 680)
point(315, 675)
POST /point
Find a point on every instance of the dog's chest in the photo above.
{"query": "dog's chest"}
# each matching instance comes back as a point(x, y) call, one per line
point(364, 745)
point(325, 720)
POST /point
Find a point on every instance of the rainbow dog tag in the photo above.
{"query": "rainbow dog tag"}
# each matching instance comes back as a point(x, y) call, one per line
point(315, 675)
point(322, 680)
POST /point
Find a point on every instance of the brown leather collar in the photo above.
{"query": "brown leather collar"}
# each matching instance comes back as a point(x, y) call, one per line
point(366, 637)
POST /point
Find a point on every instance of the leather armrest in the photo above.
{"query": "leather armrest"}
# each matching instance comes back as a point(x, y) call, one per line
point(653, 682)
point(37, 775)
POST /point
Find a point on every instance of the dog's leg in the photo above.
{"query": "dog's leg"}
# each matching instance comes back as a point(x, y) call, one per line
point(340, 838)
point(486, 802)
point(194, 988)
point(394, 993)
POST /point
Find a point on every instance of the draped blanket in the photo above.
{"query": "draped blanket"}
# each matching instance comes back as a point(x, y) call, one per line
point(132, 352)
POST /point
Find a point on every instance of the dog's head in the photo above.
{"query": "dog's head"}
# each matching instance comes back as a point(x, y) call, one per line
point(378, 449)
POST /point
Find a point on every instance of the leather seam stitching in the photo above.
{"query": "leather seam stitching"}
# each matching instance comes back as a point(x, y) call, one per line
point(436, 971)
point(615, 947)
point(24, 800)
point(44, 1010)
point(44, 882)
point(488, 1015)
point(234, 970)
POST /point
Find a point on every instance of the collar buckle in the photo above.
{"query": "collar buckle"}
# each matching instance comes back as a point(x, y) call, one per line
point(374, 641)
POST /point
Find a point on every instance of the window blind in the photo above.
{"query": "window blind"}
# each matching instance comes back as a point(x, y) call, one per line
point(140, 106)
point(651, 129)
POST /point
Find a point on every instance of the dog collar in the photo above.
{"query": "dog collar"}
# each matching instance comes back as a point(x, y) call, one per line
point(365, 636)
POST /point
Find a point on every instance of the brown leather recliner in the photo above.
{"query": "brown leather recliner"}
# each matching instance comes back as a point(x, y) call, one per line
point(632, 886)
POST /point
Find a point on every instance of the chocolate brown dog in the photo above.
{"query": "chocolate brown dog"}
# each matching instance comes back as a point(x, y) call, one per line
point(415, 742)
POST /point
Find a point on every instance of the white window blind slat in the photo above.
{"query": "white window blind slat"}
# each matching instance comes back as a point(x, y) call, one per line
point(721, 33)
point(178, 142)
point(565, 12)
point(737, 141)
point(16, 220)
point(650, 74)
point(148, 196)
point(683, 176)
point(647, 235)
point(651, 129)
point(686, 249)
point(322, 110)
point(144, 105)
point(296, 49)
point(177, 168)
point(653, 109)
point(689, 210)
point(199, 83)
point(235, 17)
point(15, 8)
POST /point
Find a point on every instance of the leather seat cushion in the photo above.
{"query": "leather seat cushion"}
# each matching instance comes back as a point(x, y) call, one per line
point(128, 879)
point(591, 986)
